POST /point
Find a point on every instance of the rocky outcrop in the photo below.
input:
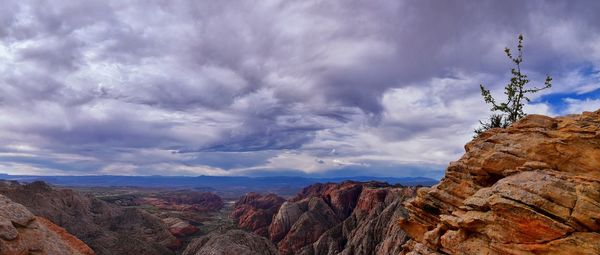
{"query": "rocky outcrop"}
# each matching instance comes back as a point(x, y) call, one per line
point(185, 201)
point(371, 227)
point(316, 217)
point(23, 233)
point(346, 218)
point(254, 212)
point(342, 197)
point(232, 242)
point(532, 188)
point(179, 227)
point(107, 228)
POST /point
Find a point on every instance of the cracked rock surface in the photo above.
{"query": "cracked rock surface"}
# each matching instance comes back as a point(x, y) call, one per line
point(533, 188)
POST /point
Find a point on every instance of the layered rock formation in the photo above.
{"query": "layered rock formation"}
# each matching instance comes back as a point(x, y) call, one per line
point(532, 188)
point(254, 212)
point(346, 218)
point(23, 233)
point(232, 242)
point(107, 228)
point(185, 201)
point(179, 227)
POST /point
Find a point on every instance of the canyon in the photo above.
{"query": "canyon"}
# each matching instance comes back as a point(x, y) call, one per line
point(532, 188)
point(106, 228)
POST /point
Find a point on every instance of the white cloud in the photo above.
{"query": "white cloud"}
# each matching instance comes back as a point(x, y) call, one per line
point(578, 106)
point(222, 88)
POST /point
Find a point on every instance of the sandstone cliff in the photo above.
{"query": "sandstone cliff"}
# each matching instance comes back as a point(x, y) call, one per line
point(107, 228)
point(254, 212)
point(533, 188)
point(23, 233)
point(346, 218)
point(371, 227)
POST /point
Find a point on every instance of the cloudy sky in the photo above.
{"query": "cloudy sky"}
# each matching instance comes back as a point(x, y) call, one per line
point(262, 88)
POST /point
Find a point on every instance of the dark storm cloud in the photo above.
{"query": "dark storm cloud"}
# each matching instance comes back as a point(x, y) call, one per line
point(187, 87)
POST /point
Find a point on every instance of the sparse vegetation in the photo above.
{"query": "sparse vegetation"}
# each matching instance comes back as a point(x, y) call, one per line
point(506, 113)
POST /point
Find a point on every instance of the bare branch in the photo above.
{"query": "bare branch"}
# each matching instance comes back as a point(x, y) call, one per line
point(515, 91)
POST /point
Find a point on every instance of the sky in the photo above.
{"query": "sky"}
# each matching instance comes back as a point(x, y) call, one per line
point(267, 88)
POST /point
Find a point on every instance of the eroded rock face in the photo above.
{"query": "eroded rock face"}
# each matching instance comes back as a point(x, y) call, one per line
point(179, 227)
point(232, 242)
point(107, 228)
point(23, 233)
point(533, 188)
point(317, 217)
point(254, 212)
point(371, 228)
point(346, 218)
point(342, 197)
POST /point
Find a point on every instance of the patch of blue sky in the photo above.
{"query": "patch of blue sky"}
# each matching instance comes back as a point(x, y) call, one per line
point(588, 88)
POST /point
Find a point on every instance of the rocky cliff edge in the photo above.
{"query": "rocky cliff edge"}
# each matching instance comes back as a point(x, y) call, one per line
point(23, 233)
point(532, 188)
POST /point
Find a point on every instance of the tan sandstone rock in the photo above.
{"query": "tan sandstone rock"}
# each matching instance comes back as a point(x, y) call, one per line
point(23, 233)
point(532, 188)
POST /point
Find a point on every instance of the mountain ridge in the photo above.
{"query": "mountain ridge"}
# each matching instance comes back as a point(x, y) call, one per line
point(226, 186)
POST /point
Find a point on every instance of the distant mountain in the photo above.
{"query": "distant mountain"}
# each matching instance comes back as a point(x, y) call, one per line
point(283, 185)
